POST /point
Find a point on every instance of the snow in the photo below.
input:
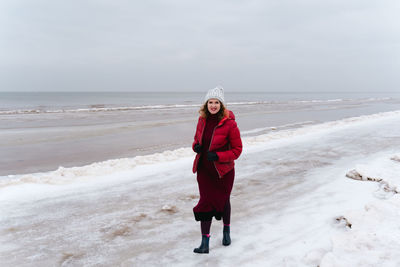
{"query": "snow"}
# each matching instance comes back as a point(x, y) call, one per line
point(373, 237)
point(292, 205)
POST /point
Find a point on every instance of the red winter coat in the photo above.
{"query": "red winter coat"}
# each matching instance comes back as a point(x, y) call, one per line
point(226, 142)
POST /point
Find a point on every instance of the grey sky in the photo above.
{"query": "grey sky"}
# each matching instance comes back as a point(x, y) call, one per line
point(255, 45)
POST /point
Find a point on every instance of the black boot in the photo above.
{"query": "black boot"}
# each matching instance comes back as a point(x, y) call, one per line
point(204, 245)
point(226, 239)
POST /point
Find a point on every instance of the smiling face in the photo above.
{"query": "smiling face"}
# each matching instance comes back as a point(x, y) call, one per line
point(213, 105)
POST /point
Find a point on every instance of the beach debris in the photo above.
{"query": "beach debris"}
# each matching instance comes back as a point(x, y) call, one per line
point(343, 219)
point(396, 158)
point(387, 188)
point(353, 174)
point(169, 208)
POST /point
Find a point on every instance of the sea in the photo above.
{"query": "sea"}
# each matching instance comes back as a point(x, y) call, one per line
point(41, 102)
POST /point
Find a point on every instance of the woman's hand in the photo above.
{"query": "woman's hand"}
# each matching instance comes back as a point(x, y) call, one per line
point(197, 148)
point(212, 156)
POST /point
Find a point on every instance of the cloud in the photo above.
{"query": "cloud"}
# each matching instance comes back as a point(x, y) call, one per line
point(175, 45)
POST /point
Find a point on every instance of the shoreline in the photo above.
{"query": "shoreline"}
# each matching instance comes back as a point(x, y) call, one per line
point(44, 142)
point(251, 144)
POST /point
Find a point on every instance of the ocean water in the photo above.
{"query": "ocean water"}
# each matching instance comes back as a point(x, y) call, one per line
point(38, 102)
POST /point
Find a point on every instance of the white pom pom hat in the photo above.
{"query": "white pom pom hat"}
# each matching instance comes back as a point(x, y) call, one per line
point(217, 93)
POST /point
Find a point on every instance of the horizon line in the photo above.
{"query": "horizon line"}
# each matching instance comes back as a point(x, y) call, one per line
point(198, 91)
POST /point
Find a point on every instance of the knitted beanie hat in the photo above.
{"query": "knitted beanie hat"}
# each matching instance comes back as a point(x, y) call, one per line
point(217, 93)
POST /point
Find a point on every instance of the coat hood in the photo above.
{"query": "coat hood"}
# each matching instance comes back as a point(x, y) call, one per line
point(231, 115)
point(227, 116)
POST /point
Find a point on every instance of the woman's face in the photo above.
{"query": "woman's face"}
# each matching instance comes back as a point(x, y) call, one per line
point(213, 105)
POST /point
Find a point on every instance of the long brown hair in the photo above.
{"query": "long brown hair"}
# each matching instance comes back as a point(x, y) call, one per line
point(205, 113)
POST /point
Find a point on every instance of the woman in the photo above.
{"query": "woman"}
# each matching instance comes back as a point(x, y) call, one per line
point(217, 144)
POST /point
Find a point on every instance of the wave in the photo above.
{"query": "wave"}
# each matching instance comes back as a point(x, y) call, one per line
point(275, 128)
point(69, 175)
point(371, 99)
point(102, 108)
point(93, 108)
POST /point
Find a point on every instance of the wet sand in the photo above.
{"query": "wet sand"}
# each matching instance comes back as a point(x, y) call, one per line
point(43, 142)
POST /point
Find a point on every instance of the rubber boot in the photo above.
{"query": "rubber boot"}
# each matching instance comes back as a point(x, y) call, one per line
point(226, 239)
point(204, 245)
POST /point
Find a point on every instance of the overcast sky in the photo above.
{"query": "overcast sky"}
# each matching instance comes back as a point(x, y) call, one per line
point(182, 45)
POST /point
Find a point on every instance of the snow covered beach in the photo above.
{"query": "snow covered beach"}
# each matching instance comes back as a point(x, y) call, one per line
point(292, 205)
